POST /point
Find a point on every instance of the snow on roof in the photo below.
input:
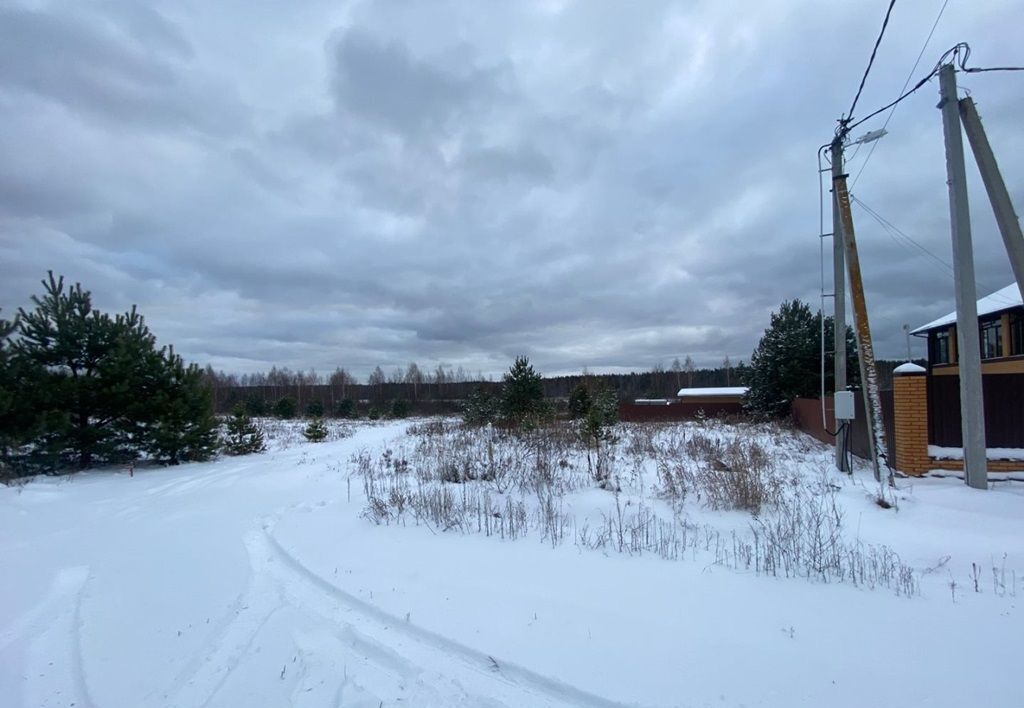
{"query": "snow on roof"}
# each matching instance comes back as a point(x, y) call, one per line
point(720, 391)
point(909, 368)
point(999, 300)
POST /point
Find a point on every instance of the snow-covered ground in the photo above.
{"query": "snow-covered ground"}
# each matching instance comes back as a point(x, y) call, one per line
point(259, 581)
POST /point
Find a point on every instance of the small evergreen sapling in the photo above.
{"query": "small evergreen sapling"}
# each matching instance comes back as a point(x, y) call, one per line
point(285, 408)
point(579, 401)
point(244, 437)
point(522, 395)
point(316, 431)
point(595, 428)
point(345, 408)
point(481, 408)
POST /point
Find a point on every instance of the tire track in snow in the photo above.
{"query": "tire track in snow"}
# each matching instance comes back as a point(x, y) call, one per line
point(199, 681)
point(477, 667)
point(54, 670)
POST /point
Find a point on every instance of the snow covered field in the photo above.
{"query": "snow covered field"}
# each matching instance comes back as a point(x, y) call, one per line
point(264, 581)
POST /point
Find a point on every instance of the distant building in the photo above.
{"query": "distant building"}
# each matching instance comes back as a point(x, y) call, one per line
point(722, 394)
point(689, 403)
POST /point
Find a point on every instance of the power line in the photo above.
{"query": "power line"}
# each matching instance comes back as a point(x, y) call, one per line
point(897, 234)
point(871, 61)
point(901, 237)
point(905, 84)
point(959, 53)
point(977, 69)
point(955, 51)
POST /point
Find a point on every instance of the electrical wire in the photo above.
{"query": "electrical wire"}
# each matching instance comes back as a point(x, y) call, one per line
point(897, 234)
point(906, 83)
point(956, 55)
point(904, 239)
point(871, 60)
point(978, 69)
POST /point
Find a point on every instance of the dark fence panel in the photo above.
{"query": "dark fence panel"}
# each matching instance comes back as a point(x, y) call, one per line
point(807, 417)
point(1004, 410)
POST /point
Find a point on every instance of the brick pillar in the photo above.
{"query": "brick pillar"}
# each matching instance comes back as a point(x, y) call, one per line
point(910, 398)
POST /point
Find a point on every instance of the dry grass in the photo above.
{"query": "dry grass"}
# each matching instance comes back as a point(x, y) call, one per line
point(498, 483)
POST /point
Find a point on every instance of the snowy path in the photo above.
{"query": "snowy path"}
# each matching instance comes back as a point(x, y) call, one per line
point(351, 652)
point(321, 645)
point(254, 582)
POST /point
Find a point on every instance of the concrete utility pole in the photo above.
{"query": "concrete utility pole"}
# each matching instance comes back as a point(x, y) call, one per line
point(972, 409)
point(839, 302)
point(1006, 217)
point(865, 349)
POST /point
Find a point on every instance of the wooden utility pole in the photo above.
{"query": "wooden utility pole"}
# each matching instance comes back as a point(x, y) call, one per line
point(972, 409)
point(1006, 217)
point(865, 349)
point(839, 303)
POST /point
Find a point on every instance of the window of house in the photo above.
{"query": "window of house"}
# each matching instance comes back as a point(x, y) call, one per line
point(1016, 334)
point(940, 347)
point(992, 339)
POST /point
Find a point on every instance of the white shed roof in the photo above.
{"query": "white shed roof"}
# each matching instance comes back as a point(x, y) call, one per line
point(720, 391)
point(999, 300)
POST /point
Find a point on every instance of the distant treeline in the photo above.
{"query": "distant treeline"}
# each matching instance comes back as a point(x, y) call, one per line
point(444, 389)
point(440, 391)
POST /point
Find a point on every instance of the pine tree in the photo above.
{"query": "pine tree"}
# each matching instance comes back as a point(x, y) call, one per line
point(285, 408)
point(594, 428)
point(244, 437)
point(606, 406)
point(99, 388)
point(345, 408)
point(579, 401)
point(21, 408)
point(787, 361)
point(184, 429)
point(523, 393)
point(316, 431)
point(481, 408)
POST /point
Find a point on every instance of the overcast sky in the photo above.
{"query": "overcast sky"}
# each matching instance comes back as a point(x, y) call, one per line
point(594, 184)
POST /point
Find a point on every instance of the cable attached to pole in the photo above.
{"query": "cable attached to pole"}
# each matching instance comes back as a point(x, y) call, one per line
point(871, 60)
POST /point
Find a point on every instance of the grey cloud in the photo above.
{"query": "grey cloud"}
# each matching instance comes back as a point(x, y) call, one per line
point(381, 82)
point(124, 72)
point(597, 186)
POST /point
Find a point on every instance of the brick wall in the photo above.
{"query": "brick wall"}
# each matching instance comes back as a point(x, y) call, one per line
point(993, 465)
point(910, 407)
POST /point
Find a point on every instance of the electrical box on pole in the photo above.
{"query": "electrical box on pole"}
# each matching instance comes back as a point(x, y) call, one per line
point(844, 405)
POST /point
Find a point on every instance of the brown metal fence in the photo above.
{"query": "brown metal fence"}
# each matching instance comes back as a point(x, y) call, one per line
point(807, 416)
point(1004, 410)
